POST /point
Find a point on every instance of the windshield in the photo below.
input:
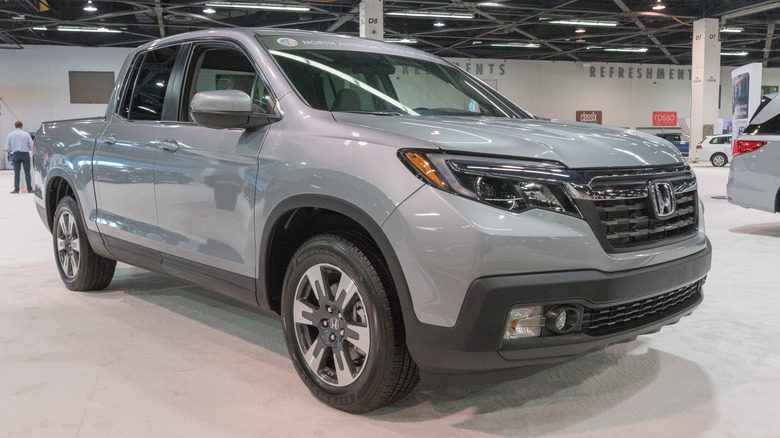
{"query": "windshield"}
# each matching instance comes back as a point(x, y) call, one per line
point(368, 82)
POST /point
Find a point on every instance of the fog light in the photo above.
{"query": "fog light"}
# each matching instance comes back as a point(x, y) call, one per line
point(562, 319)
point(524, 322)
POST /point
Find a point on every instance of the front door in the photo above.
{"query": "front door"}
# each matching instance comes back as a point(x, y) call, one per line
point(205, 179)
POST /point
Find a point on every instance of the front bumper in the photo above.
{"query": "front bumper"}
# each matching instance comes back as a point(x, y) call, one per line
point(472, 350)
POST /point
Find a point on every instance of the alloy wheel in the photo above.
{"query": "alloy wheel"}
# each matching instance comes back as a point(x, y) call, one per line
point(331, 325)
point(68, 245)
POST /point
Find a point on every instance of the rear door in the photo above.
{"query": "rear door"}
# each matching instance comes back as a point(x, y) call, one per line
point(125, 151)
point(205, 179)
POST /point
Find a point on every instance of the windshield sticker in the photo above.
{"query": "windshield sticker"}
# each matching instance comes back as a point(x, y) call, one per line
point(289, 42)
point(474, 107)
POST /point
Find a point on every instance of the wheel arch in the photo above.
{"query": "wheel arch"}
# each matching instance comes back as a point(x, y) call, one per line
point(58, 185)
point(298, 218)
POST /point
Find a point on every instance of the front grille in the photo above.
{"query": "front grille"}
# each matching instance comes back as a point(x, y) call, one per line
point(608, 320)
point(629, 222)
point(617, 206)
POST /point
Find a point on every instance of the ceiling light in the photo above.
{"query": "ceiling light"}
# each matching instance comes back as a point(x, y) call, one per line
point(17, 17)
point(585, 23)
point(439, 24)
point(659, 5)
point(579, 41)
point(267, 6)
point(732, 30)
point(488, 4)
point(90, 7)
point(209, 11)
point(525, 45)
point(474, 43)
point(626, 49)
point(580, 30)
point(428, 14)
point(401, 40)
point(733, 53)
point(86, 29)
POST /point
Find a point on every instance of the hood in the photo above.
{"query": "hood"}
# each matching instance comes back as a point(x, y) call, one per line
point(576, 145)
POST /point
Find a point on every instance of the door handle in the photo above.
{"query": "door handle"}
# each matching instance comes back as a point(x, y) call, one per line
point(110, 139)
point(169, 145)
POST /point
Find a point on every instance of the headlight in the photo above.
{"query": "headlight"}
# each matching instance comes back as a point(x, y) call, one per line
point(507, 184)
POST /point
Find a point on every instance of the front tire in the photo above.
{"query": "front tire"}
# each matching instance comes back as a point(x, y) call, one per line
point(80, 268)
point(719, 160)
point(342, 323)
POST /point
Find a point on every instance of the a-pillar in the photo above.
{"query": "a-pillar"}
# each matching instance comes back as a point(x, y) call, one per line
point(705, 81)
point(371, 19)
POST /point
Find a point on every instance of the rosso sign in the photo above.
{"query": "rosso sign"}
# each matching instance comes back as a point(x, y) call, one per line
point(664, 118)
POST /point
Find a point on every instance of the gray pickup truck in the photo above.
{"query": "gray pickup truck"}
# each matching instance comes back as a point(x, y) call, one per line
point(403, 218)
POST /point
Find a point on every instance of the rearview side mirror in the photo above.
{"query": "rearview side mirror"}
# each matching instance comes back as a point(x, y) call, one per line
point(228, 109)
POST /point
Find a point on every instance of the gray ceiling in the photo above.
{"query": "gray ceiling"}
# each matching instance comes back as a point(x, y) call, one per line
point(666, 34)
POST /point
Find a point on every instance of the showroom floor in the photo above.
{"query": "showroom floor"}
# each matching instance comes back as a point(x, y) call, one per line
point(152, 356)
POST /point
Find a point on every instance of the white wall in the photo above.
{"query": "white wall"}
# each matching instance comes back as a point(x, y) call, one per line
point(559, 89)
point(34, 86)
point(34, 83)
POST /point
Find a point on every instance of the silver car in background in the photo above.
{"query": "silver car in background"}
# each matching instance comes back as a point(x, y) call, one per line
point(754, 177)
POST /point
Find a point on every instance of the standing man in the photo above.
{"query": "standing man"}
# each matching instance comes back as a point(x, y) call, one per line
point(20, 144)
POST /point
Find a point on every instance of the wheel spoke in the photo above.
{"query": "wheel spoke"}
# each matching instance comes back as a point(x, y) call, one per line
point(346, 292)
point(345, 369)
point(68, 265)
point(63, 226)
point(315, 356)
point(359, 337)
point(75, 258)
point(303, 313)
point(318, 284)
point(72, 232)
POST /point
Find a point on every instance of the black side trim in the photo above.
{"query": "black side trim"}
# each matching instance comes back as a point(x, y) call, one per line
point(235, 286)
point(228, 283)
point(134, 254)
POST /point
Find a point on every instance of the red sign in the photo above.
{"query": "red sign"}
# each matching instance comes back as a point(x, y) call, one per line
point(664, 118)
point(589, 117)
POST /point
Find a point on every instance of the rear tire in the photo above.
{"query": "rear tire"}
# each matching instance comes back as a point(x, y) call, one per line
point(342, 323)
point(80, 268)
point(719, 160)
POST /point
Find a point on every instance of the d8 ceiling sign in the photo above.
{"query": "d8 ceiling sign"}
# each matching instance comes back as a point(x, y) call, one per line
point(664, 118)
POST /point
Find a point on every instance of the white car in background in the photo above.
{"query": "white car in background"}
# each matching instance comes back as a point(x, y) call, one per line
point(716, 149)
point(754, 176)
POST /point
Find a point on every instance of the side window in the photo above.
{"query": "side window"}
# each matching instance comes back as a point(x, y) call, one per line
point(147, 95)
point(222, 68)
point(123, 108)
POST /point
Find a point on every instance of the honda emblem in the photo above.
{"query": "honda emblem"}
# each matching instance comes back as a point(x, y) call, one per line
point(662, 199)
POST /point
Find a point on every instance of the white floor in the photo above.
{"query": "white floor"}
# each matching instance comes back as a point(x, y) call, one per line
point(153, 356)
